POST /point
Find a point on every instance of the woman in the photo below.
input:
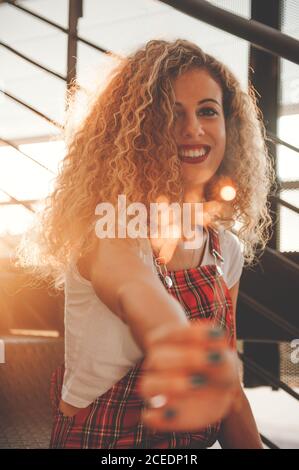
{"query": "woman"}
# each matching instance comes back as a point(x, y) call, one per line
point(171, 124)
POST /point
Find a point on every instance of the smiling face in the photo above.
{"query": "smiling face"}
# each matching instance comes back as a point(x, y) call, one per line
point(199, 127)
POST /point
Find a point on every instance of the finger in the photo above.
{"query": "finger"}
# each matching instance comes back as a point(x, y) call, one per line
point(174, 385)
point(187, 414)
point(187, 359)
point(198, 332)
point(170, 386)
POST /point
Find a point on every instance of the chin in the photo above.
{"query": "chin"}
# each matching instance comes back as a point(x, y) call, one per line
point(199, 180)
point(198, 174)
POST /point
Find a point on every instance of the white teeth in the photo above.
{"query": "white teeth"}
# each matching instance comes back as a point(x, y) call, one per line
point(194, 153)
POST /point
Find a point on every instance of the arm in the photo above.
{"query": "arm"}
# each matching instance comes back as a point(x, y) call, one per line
point(132, 290)
point(238, 428)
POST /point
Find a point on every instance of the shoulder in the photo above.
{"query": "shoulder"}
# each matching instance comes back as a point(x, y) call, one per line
point(120, 254)
point(230, 242)
point(232, 253)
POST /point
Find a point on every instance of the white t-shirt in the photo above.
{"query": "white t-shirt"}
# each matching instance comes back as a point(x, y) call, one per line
point(99, 346)
point(233, 257)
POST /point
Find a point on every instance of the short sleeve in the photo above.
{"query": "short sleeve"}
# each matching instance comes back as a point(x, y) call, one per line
point(233, 258)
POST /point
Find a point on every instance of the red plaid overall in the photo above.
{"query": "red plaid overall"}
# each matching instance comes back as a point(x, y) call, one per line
point(112, 421)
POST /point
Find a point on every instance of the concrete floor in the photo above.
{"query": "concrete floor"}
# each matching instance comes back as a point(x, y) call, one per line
point(276, 414)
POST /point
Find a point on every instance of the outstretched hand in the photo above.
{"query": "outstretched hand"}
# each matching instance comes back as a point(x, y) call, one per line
point(190, 377)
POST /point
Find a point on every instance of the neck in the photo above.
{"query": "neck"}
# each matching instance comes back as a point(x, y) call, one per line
point(194, 193)
point(194, 196)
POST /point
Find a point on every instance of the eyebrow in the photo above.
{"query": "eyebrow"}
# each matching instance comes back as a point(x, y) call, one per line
point(201, 101)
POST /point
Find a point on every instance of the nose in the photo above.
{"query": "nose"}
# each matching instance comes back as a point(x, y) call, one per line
point(192, 127)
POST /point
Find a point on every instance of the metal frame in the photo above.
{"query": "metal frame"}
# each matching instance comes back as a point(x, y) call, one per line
point(34, 110)
point(264, 74)
point(75, 12)
point(11, 144)
point(258, 34)
point(31, 61)
point(57, 26)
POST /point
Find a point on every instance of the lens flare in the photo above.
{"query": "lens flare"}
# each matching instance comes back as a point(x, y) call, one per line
point(227, 193)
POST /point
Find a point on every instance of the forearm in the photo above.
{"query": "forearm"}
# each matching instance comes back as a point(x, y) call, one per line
point(144, 308)
point(238, 429)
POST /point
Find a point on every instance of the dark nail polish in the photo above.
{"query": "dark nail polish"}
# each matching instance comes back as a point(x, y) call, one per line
point(169, 413)
point(215, 357)
point(198, 380)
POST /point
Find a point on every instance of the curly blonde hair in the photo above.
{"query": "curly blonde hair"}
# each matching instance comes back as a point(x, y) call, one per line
point(125, 145)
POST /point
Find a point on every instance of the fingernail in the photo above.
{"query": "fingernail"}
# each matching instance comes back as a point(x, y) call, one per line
point(198, 380)
point(215, 333)
point(214, 357)
point(156, 401)
point(169, 413)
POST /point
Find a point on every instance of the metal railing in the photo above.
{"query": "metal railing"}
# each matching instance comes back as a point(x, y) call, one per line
point(11, 144)
point(14, 200)
point(269, 314)
point(34, 110)
point(258, 34)
point(279, 141)
point(58, 27)
point(31, 61)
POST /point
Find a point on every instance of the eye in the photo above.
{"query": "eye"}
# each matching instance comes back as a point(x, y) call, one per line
point(208, 112)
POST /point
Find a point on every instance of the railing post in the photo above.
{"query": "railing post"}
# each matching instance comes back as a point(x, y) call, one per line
point(264, 74)
point(75, 12)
